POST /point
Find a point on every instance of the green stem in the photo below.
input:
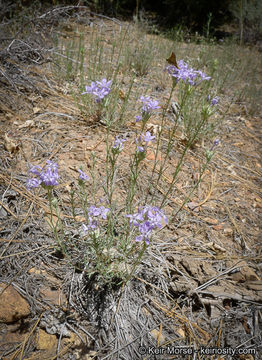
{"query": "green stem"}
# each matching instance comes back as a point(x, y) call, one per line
point(138, 260)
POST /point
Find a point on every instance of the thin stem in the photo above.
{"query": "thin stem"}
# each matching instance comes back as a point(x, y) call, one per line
point(138, 260)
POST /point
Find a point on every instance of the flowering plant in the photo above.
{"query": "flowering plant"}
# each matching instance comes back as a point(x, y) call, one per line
point(145, 220)
point(147, 109)
point(187, 74)
point(46, 176)
point(99, 89)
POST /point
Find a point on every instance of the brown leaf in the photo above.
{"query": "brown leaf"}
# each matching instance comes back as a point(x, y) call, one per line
point(211, 221)
point(11, 144)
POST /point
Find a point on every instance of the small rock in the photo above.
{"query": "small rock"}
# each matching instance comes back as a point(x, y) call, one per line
point(228, 231)
point(12, 305)
point(46, 341)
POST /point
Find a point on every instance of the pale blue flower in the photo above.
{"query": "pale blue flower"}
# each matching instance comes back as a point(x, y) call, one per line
point(46, 176)
point(118, 144)
point(99, 89)
point(140, 148)
point(148, 137)
point(145, 220)
point(49, 177)
point(215, 100)
point(148, 104)
point(32, 183)
point(34, 169)
point(83, 176)
point(186, 73)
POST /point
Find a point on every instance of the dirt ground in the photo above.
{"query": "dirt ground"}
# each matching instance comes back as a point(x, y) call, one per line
point(199, 287)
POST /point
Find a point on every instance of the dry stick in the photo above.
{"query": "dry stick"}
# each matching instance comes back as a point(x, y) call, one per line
point(239, 166)
point(27, 251)
point(7, 209)
point(181, 318)
point(219, 333)
point(25, 193)
point(242, 238)
point(14, 241)
point(216, 278)
point(253, 337)
point(155, 287)
point(131, 342)
point(242, 298)
point(210, 191)
point(21, 349)
point(17, 231)
point(159, 335)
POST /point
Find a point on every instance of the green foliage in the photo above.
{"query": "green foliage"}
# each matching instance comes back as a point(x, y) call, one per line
point(139, 58)
point(249, 16)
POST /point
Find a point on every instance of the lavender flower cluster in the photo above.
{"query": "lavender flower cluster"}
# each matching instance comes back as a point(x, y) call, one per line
point(45, 176)
point(215, 100)
point(146, 219)
point(118, 144)
point(94, 213)
point(148, 104)
point(99, 89)
point(146, 138)
point(83, 176)
point(186, 73)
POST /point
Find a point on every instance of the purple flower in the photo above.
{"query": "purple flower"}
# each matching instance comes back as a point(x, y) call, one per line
point(203, 76)
point(215, 101)
point(148, 137)
point(103, 212)
point(149, 104)
point(83, 176)
point(46, 176)
point(140, 238)
point(94, 211)
point(99, 89)
point(93, 217)
point(104, 83)
point(34, 169)
point(118, 143)
point(140, 148)
point(52, 166)
point(32, 183)
point(49, 177)
point(186, 73)
point(134, 219)
point(215, 143)
point(147, 219)
point(90, 89)
point(145, 232)
point(98, 211)
point(92, 225)
point(138, 118)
